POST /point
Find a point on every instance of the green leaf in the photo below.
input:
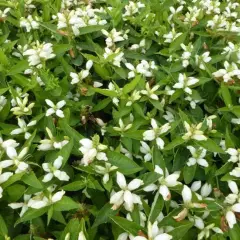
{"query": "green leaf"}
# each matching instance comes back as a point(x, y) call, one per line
point(65, 204)
point(103, 216)
point(234, 232)
point(189, 173)
point(158, 158)
point(156, 208)
point(175, 45)
point(227, 167)
point(105, 92)
point(15, 192)
point(61, 48)
point(31, 180)
point(149, 178)
point(132, 85)
point(174, 143)
point(18, 68)
point(101, 105)
point(75, 136)
point(91, 29)
point(178, 232)
point(130, 227)
point(210, 145)
point(3, 227)
point(226, 95)
point(74, 186)
point(31, 214)
point(125, 165)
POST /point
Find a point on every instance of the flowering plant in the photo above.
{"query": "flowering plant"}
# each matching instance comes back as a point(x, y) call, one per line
point(119, 119)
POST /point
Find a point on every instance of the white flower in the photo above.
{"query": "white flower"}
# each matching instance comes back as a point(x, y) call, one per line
point(154, 233)
point(205, 231)
point(234, 196)
point(22, 108)
point(235, 155)
point(197, 156)
point(235, 121)
point(150, 92)
point(10, 143)
point(192, 15)
point(114, 57)
point(193, 102)
point(15, 159)
point(113, 36)
point(105, 171)
point(131, 8)
point(122, 127)
point(230, 214)
point(187, 204)
point(134, 97)
point(55, 109)
point(194, 132)
point(81, 236)
point(185, 82)
point(165, 181)
point(51, 143)
point(171, 36)
point(41, 201)
point(201, 60)
point(22, 205)
point(29, 23)
point(174, 12)
point(53, 170)
point(186, 54)
point(169, 116)
point(92, 149)
point(3, 13)
point(230, 71)
point(150, 135)
point(23, 128)
point(76, 78)
point(125, 195)
point(145, 149)
point(40, 52)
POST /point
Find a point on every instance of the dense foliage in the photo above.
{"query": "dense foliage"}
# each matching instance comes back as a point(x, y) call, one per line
point(119, 119)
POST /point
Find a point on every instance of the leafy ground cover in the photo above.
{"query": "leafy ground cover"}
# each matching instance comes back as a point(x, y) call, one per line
point(119, 119)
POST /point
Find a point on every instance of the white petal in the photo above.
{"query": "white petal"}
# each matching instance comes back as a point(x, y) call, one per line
point(50, 103)
point(58, 196)
point(134, 184)
point(61, 175)
point(61, 104)
point(233, 186)
point(171, 180)
point(163, 236)
point(117, 198)
point(121, 180)
point(236, 207)
point(48, 177)
point(11, 152)
point(128, 199)
point(58, 162)
point(231, 219)
point(160, 143)
point(60, 113)
point(206, 190)
point(196, 186)
point(186, 194)
point(150, 188)
point(164, 191)
point(50, 111)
